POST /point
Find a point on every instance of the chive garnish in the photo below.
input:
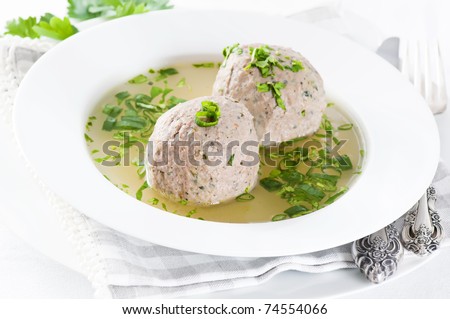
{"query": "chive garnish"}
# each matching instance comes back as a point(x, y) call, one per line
point(245, 196)
point(279, 217)
point(165, 73)
point(121, 96)
point(181, 83)
point(296, 211)
point(141, 190)
point(191, 212)
point(154, 201)
point(230, 160)
point(270, 184)
point(204, 65)
point(333, 198)
point(88, 138)
point(138, 79)
point(209, 114)
point(345, 127)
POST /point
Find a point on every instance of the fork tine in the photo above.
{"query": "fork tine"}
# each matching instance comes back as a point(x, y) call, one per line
point(418, 61)
point(421, 63)
point(440, 78)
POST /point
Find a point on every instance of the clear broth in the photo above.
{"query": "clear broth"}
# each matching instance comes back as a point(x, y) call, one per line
point(199, 82)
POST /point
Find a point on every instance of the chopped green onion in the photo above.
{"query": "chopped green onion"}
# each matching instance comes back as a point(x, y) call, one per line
point(88, 138)
point(279, 217)
point(165, 73)
point(191, 212)
point(270, 184)
point(204, 65)
point(138, 79)
point(121, 96)
point(230, 160)
point(209, 115)
point(111, 110)
point(154, 201)
point(141, 190)
point(181, 83)
point(245, 197)
point(109, 123)
point(296, 211)
point(345, 127)
point(333, 198)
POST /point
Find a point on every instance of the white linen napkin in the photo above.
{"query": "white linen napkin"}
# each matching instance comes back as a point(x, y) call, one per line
point(121, 266)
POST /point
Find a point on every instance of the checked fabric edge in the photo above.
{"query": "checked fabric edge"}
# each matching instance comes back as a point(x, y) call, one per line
point(72, 221)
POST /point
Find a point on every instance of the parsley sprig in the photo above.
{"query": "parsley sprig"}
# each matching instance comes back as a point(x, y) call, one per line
point(61, 28)
point(262, 59)
point(275, 88)
point(47, 26)
point(227, 51)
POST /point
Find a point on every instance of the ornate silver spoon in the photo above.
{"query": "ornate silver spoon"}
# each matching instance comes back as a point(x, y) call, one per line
point(378, 254)
point(422, 232)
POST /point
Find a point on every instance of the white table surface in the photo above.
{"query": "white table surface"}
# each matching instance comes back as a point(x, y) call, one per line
point(26, 273)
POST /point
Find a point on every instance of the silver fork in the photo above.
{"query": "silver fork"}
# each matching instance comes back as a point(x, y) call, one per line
point(421, 63)
point(378, 254)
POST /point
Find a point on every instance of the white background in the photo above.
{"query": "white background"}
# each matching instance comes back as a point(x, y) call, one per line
point(24, 272)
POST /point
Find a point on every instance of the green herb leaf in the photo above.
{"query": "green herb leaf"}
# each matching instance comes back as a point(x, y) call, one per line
point(85, 9)
point(228, 51)
point(109, 123)
point(343, 162)
point(121, 96)
point(172, 101)
point(88, 138)
point(333, 198)
point(275, 88)
point(54, 27)
point(141, 190)
point(345, 127)
point(204, 65)
point(296, 211)
point(112, 110)
point(230, 160)
point(22, 28)
point(279, 217)
point(209, 114)
point(245, 197)
point(181, 83)
point(296, 66)
point(262, 59)
point(271, 184)
point(165, 73)
point(138, 79)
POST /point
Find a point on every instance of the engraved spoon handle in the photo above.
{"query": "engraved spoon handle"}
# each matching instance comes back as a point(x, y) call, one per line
point(422, 231)
point(378, 255)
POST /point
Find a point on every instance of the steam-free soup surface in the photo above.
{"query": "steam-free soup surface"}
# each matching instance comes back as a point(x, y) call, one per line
point(281, 194)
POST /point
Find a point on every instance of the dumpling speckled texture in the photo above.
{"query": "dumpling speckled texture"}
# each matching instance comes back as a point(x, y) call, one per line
point(198, 180)
point(303, 94)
